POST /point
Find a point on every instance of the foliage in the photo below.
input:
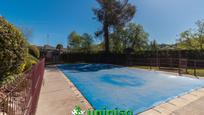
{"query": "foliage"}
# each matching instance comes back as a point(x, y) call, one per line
point(137, 37)
point(16, 55)
point(97, 47)
point(153, 45)
point(186, 40)
point(59, 47)
point(13, 48)
point(78, 43)
point(34, 51)
point(74, 41)
point(87, 41)
point(192, 40)
point(199, 35)
point(10, 76)
point(132, 36)
point(113, 14)
point(167, 47)
point(29, 61)
point(118, 40)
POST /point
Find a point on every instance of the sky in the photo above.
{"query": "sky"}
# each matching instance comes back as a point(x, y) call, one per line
point(52, 20)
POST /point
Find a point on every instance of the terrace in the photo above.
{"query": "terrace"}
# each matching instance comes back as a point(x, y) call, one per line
point(111, 61)
point(190, 103)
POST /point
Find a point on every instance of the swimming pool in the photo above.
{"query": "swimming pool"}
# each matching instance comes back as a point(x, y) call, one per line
point(112, 86)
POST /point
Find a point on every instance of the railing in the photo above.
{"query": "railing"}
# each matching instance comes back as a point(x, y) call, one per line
point(181, 65)
point(22, 94)
point(177, 61)
point(165, 60)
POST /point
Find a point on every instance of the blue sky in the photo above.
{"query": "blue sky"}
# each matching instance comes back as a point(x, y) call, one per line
point(162, 19)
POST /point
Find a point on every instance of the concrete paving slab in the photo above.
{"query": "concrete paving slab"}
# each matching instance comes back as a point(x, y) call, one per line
point(168, 106)
point(178, 102)
point(150, 112)
point(194, 108)
point(190, 97)
point(57, 97)
point(162, 110)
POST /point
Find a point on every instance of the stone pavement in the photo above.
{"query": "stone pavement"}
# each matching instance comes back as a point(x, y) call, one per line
point(58, 95)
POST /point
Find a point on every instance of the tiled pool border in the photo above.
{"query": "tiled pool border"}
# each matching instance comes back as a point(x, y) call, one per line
point(165, 108)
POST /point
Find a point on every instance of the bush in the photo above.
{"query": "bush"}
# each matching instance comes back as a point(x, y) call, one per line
point(10, 76)
point(30, 60)
point(13, 48)
point(34, 51)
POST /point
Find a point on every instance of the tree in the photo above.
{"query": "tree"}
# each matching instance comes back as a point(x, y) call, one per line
point(200, 33)
point(13, 48)
point(131, 36)
point(137, 37)
point(86, 43)
point(118, 40)
point(74, 41)
point(34, 51)
point(154, 46)
point(186, 40)
point(59, 47)
point(193, 40)
point(113, 13)
point(80, 43)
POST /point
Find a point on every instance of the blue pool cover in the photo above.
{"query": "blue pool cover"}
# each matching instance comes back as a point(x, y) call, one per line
point(112, 86)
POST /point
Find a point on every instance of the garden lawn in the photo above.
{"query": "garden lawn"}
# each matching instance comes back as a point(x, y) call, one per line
point(199, 72)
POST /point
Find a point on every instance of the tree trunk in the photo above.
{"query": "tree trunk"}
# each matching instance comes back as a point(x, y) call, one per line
point(106, 37)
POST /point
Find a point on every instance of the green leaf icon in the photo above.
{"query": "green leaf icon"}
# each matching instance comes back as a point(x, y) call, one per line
point(77, 111)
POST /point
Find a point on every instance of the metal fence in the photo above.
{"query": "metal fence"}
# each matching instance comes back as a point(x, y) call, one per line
point(180, 65)
point(21, 95)
point(163, 60)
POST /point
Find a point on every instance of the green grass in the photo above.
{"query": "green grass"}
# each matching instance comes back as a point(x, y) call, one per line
point(199, 72)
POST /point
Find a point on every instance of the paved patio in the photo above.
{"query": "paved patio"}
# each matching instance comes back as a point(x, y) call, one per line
point(59, 96)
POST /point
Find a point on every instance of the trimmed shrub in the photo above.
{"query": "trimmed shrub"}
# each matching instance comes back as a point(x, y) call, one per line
point(13, 49)
point(34, 51)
